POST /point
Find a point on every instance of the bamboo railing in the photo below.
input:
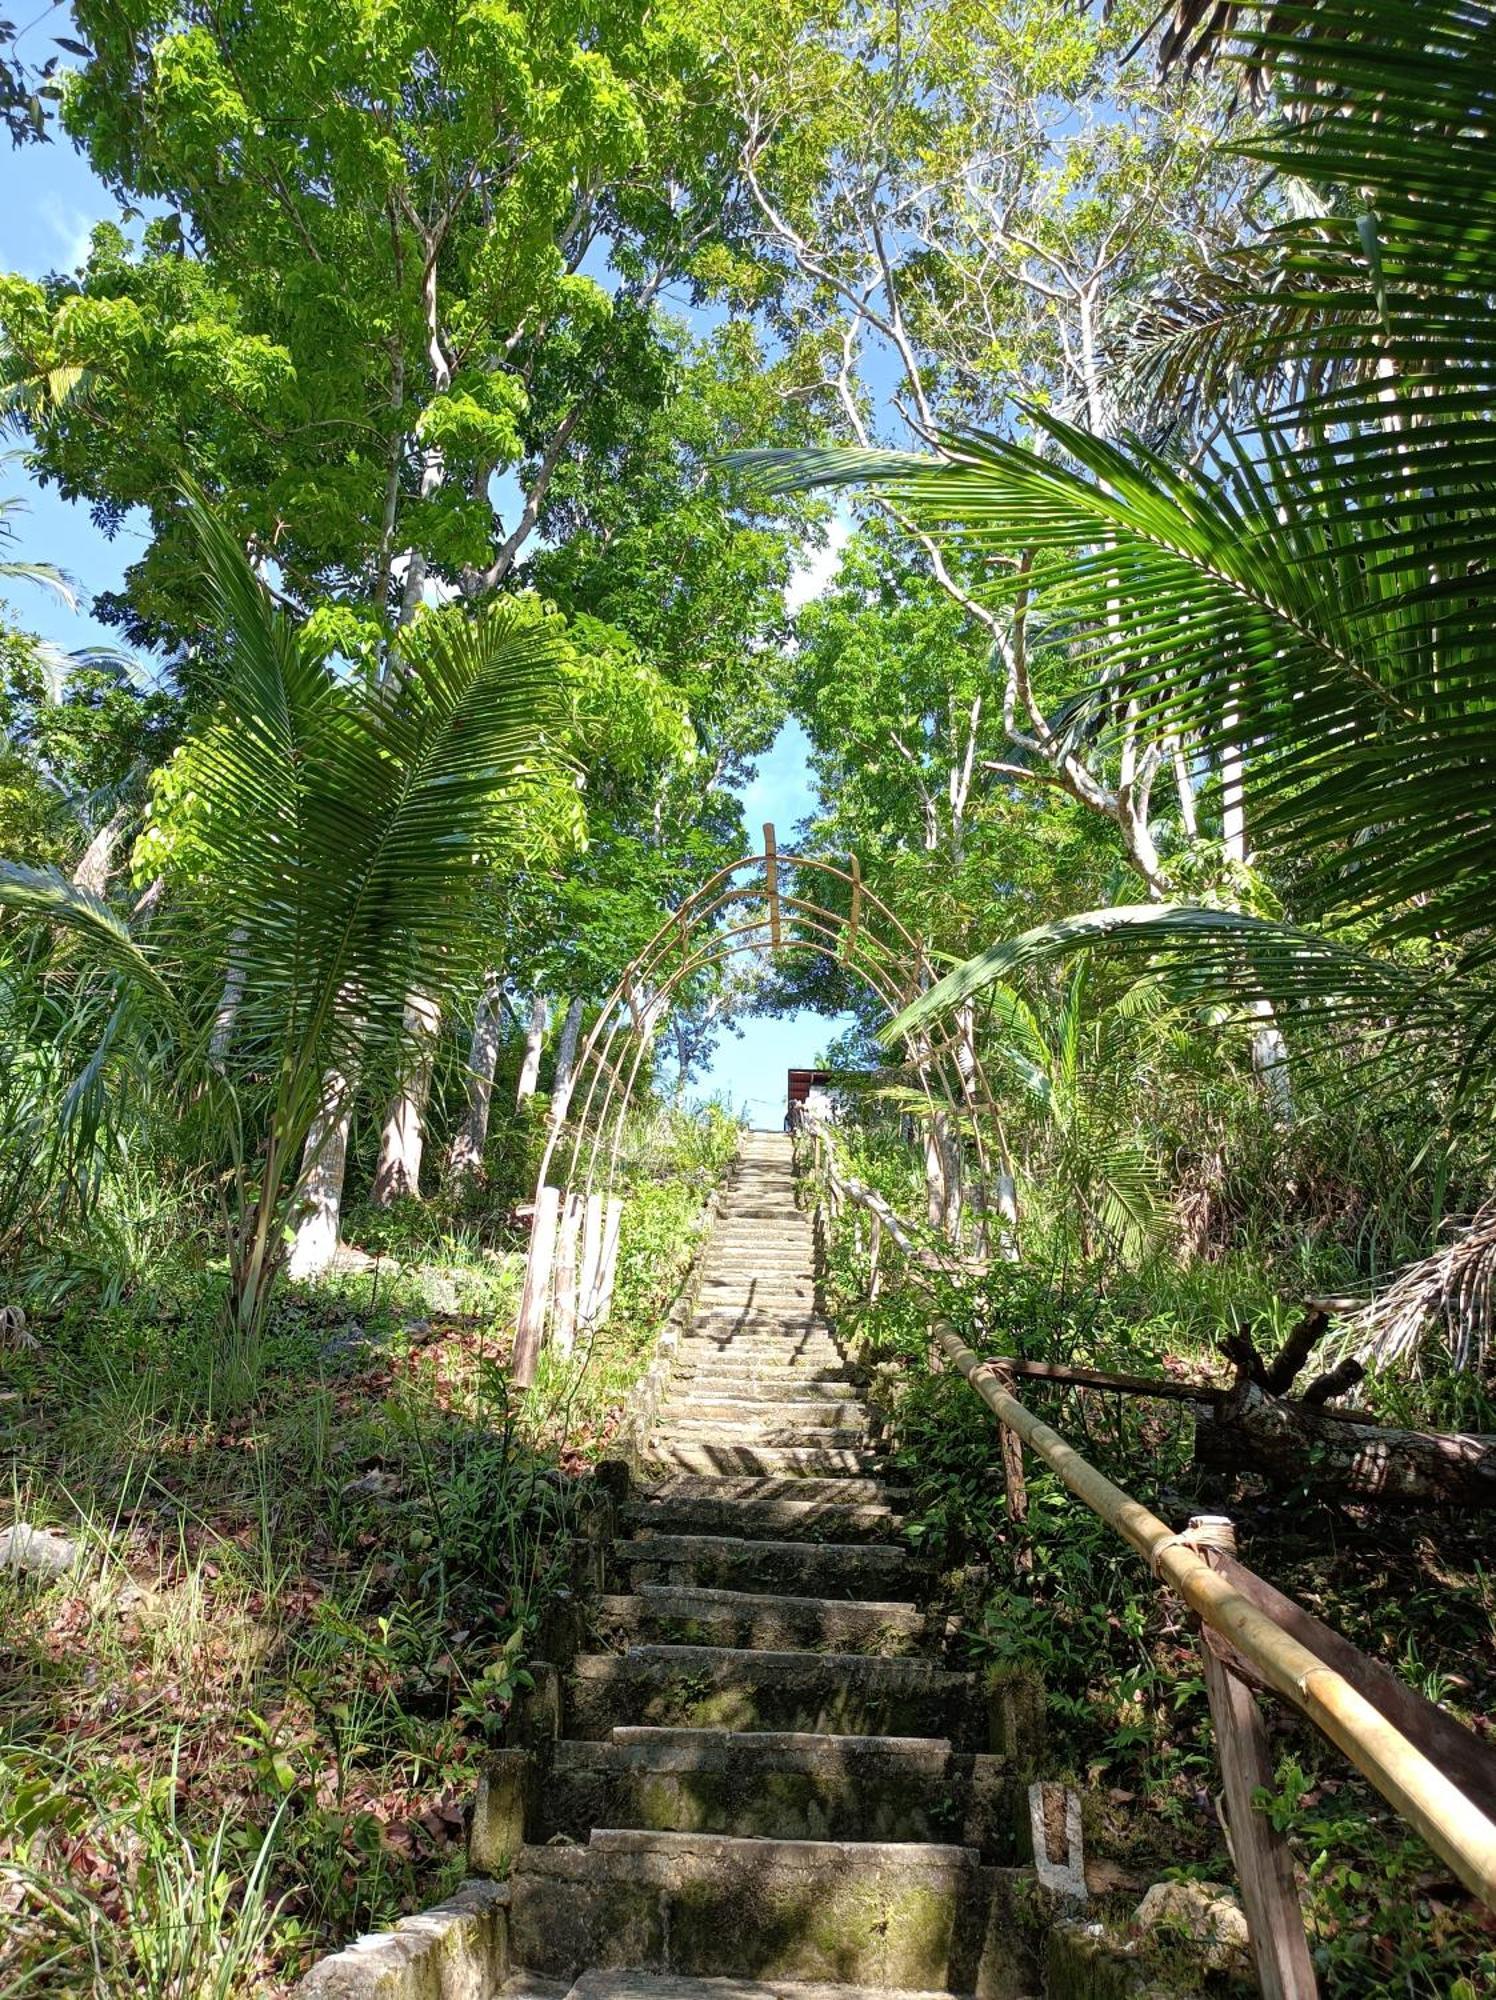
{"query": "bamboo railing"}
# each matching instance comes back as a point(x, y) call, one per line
point(1438, 1775)
point(773, 903)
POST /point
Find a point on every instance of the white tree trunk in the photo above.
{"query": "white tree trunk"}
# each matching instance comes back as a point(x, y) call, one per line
point(466, 1156)
point(566, 1059)
point(1006, 1190)
point(321, 1193)
point(403, 1138)
point(529, 1071)
point(935, 1191)
point(1269, 1050)
point(228, 1004)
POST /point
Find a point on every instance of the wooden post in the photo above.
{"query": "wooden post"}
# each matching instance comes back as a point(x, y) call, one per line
point(608, 1259)
point(1264, 1864)
point(530, 1331)
point(849, 941)
point(564, 1308)
point(592, 1251)
point(874, 1252)
point(771, 881)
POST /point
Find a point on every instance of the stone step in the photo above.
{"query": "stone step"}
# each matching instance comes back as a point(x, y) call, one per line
point(716, 1318)
point(775, 1518)
point(679, 1428)
point(723, 1687)
point(722, 1370)
point(818, 1461)
point(752, 1346)
point(755, 1391)
point(625, 1985)
point(678, 1616)
point(791, 1406)
point(749, 1290)
point(788, 1786)
point(885, 1914)
point(788, 1345)
point(780, 1259)
point(789, 1333)
point(848, 1492)
point(765, 1331)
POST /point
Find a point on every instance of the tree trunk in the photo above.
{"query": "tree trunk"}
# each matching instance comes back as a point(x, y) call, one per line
point(93, 871)
point(566, 1059)
point(935, 1188)
point(1006, 1190)
point(228, 1005)
point(529, 1072)
point(1269, 1050)
point(322, 1164)
point(1297, 1445)
point(466, 1156)
point(402, 1141)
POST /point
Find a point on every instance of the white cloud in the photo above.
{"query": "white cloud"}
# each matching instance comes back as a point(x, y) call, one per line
point(813, 577)
point(71, 229)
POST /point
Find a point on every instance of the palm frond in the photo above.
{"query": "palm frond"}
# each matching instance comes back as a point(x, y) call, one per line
point(48, 895)
point(1218, 957)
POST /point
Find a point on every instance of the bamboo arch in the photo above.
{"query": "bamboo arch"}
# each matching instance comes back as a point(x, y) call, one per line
point(577, 1213)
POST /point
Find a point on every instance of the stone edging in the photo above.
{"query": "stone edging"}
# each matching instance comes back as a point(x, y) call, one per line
point(458, 1951)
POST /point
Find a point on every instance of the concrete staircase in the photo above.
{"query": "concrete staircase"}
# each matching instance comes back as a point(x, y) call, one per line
point(768, 1780)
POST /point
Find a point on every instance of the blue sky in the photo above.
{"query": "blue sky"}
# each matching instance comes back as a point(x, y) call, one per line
point(749, 1070)
point(51, 200)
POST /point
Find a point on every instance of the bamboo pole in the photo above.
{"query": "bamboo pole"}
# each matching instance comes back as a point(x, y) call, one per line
point(771, 882)
point(592, 1250)
point(564, 1307)
point(608, 1265)
point(1452, 1825)
point(531, 1329)
point(854, 921)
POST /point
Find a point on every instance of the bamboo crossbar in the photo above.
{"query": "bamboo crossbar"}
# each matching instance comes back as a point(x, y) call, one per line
point(1449, 1820)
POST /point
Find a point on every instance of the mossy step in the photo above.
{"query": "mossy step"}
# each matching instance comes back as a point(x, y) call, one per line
point(749, 1318)
point(732, 1335)
point(760, 1293)
point(739, 1377)
point(679, 1615)
point(767, 1246)
point(624, 1985)
point(888, 1914)
point(717, 1319)
point(788, 1460)
point(680, 1426)
point(789, 1407)
point(757, 1390)
point(780, 1518)
point(786, 1785)
point(799, 1569)
point(785, 1346)
point(706, 1687)
point(841, 1492)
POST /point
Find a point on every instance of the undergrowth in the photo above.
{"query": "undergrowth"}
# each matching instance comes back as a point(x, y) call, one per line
point(245, 1725)
point(1127, 1715)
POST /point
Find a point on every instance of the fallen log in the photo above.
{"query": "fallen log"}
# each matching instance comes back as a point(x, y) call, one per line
point(1302, 1445)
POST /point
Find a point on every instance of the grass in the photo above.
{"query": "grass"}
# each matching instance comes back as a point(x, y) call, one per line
point(247, 1725)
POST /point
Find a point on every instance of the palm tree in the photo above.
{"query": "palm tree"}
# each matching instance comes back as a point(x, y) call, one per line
point(332, 838)
point(1075, 1069)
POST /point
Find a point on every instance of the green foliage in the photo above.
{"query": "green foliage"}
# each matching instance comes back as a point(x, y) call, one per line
point(248, 1726)
point(341, 831)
